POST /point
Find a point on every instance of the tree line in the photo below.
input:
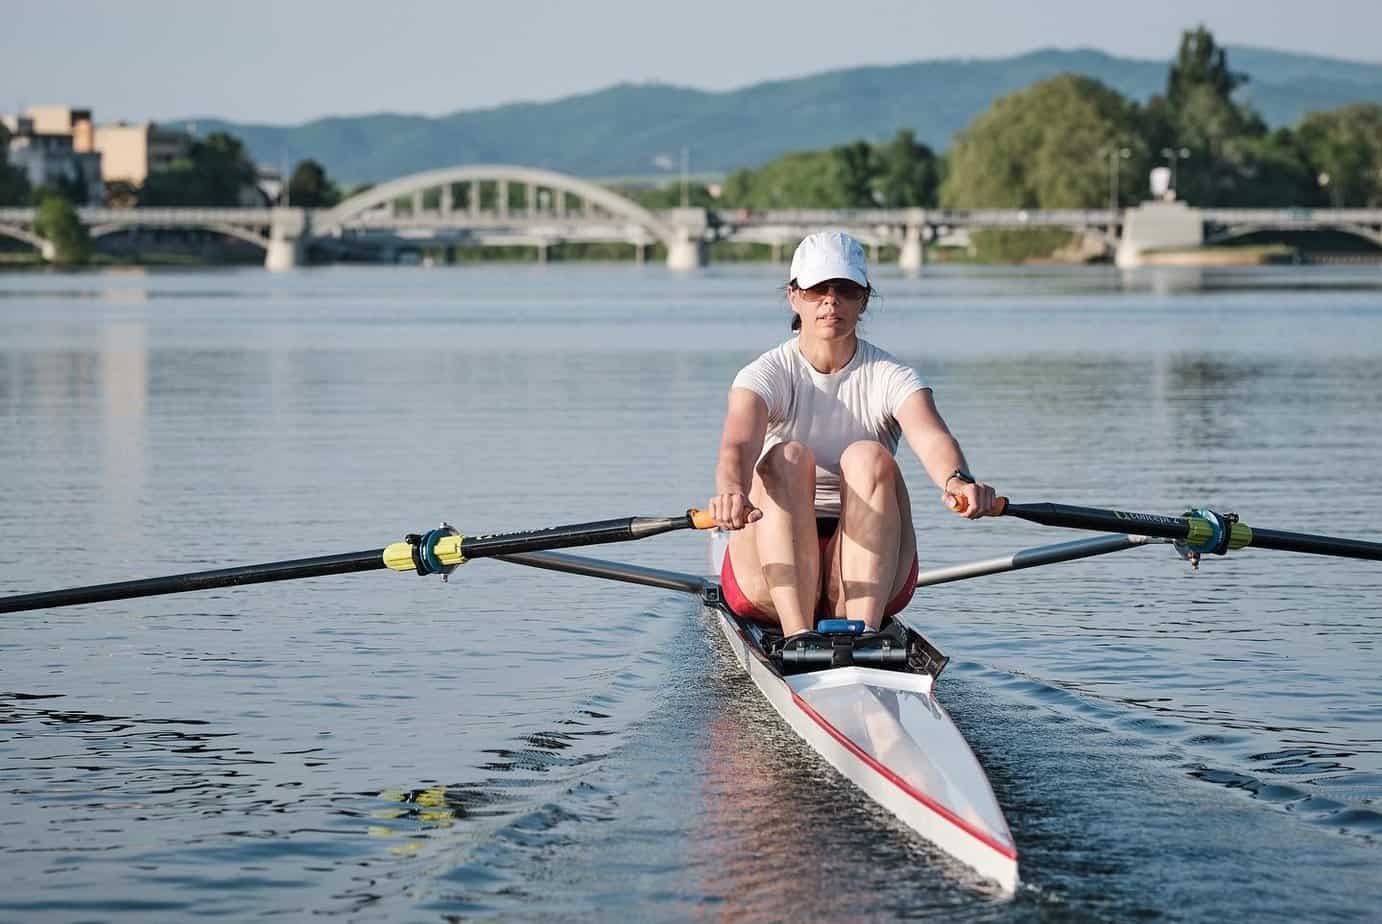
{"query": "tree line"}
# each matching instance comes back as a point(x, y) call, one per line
point(1055, 144)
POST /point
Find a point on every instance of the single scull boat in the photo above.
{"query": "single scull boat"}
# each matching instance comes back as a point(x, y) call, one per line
point(883, 729)
point(865, 703)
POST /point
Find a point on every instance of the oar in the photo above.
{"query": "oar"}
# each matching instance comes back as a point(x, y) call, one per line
point(435, 552)
point(1200, 531)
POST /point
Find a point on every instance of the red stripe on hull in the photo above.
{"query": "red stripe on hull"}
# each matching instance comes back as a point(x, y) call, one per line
point(982, 836)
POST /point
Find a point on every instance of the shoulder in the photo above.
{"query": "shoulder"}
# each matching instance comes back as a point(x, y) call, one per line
point(770, 376)
point(876, 356)
point(777, 360)
point(890, 379)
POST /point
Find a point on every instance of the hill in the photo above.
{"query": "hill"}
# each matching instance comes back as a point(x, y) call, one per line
point(622, 129)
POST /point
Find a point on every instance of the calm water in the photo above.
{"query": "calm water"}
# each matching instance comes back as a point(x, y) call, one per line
point(1167, 745)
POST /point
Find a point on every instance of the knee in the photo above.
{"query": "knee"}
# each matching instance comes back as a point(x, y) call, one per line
point(867, 462)
point(788, 462)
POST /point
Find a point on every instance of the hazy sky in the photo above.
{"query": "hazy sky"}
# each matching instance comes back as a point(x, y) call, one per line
point(293, 60)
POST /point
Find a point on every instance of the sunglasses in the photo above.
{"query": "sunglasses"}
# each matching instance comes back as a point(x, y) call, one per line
point(845, 290)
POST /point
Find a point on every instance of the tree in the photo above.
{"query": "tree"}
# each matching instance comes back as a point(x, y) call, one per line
point(1344, 148)
point(58, 223)
point(857, 175)
point(668, 196)
point(908, 173)
point(1234, 159)
point(852, 165)
point(311, 188)
point(801, 179)
point(216, 171)
point(14, 185)
point(1045, 146)
point(1201, 64)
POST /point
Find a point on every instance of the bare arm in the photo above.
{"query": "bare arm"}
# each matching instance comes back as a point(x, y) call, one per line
point(746, 424)
point(940, 454)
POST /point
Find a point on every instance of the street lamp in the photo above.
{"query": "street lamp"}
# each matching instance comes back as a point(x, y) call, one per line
point(1114, 156)
point(1173, 155)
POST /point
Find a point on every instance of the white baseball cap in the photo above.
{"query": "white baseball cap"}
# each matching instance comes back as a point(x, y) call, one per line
point(829, 255)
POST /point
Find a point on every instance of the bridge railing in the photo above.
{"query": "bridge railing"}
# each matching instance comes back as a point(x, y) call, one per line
point(990, 218)
point(180, 216)
point(1310, 218)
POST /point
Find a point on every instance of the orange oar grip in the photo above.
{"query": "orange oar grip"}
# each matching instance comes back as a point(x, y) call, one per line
point(701, 519)
point(1000, 505)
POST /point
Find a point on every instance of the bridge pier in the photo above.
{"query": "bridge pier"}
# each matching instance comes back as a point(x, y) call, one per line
point(911, 257)
point(687, 249)
point(1158, 226)
point(686, 254)
point(286, 234)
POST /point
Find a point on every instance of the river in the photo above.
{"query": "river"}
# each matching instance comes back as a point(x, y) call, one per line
point(1167, 745)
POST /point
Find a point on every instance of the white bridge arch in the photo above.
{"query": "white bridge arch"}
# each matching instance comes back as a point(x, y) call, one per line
point(25, 236)
point(358, 210)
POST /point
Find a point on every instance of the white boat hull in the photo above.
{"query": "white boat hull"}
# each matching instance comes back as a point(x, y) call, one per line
point(886, 733)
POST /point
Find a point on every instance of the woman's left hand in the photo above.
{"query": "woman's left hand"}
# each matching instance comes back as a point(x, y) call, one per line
point(970, 501)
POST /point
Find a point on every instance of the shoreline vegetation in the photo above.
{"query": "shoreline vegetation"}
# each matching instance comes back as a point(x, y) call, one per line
point(1064, 142)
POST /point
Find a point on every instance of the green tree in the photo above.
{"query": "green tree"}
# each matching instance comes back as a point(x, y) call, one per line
point(216, 171)
point(1344, 147)
point(801, 179)
point(58, 223)
point(1201, 65)
point(1234, 159)
point(668, 196)
point(1045, 146)
point(908, 173)
point(311, 188)
point(853, 169)
point(14, 185)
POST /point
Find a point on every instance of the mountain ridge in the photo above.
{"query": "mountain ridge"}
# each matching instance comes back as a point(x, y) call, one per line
point(620, 129)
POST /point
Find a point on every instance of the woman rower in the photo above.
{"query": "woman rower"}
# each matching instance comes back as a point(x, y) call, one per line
point(806, 480)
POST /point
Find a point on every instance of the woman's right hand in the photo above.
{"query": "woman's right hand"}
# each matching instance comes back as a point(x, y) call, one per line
point(733, 510)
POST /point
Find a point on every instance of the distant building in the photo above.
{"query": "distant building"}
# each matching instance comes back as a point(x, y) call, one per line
point(63, 120)
point(53, 146)
point(130, 152)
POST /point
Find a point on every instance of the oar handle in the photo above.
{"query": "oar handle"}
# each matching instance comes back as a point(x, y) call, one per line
point(700, 519)
point(961, 504)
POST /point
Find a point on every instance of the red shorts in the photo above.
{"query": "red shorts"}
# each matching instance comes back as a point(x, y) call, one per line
point(825, 531)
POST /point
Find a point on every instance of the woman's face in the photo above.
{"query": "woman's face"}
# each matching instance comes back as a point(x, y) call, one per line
point(831, 309)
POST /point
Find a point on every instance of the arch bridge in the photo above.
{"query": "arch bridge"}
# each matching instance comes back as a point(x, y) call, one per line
point(507, 205)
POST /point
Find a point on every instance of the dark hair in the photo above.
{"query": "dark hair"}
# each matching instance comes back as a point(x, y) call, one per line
point(869, 293)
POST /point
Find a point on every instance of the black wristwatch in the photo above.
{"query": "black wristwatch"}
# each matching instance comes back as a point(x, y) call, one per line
point(961, 474)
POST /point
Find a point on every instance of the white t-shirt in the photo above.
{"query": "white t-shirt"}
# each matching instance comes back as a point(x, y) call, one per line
point(828, 412)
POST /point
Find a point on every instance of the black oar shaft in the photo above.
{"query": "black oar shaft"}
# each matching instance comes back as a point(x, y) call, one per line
point(200, 580)
point(401, 556)
point(1315, 545)
point(1150, 524)
point(1112, 521)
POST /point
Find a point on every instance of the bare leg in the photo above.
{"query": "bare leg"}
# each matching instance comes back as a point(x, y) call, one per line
point(870, 557)
point(777, 559)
